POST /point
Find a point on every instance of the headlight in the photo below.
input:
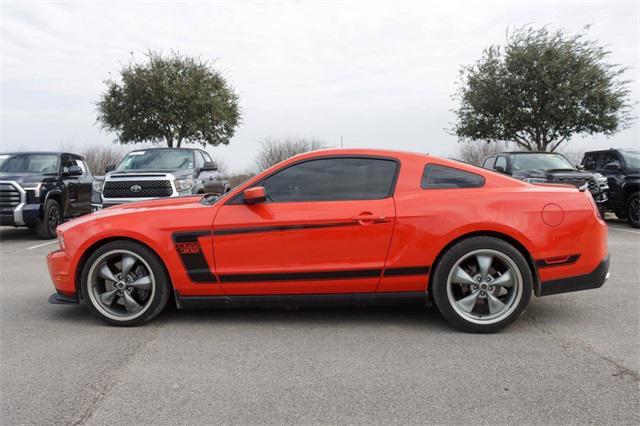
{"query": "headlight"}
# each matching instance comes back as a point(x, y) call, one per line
point(535, 180)
point(184, 184)
point(36, 189)
point(599, 178)
point(61, 241)
point(97, 185)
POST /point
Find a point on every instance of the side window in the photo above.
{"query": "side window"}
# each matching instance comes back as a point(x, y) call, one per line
point(199, 159)
point(489, 162)
point(333, 179)
point(501, 162)
point(609, 157)
point(67, 161)
point(589, 161)
point(206, 157)
point(435, 176)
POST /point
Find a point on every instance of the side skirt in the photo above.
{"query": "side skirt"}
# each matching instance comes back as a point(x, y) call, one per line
point(296, 300)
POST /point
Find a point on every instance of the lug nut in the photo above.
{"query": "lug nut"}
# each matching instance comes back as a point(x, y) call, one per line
point(479, 279)
point(490, 288)
point(475, 287)
point(482, 293)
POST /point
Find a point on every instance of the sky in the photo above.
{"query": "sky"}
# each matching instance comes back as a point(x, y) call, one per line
point(376, 74)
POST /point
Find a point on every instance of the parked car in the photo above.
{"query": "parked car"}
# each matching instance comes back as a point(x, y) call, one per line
point(41, 189)
point(621, 167)
point(549, 167)
point(157, 173)
point(340, 226)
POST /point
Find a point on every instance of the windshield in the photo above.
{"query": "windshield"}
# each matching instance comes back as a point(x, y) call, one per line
point(632, 158)
point(540, 161)
point(157, 159)
point(29, 163)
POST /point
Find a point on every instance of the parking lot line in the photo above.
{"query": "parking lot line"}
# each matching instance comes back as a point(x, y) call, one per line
point(624, 230)
point(42, 245)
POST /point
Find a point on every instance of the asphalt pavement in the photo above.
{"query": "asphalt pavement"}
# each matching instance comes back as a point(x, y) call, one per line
point(571, 359)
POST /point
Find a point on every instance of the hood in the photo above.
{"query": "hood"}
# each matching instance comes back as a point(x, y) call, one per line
point(151, 172)
point(157, 203)
point(27, 178)
point(552, 175)
point(138, 207)
point(633, 173)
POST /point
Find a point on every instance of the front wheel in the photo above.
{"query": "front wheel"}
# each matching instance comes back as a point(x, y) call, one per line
point(633, 211)
point(51, 218)
point(482, 284)
point(124, 283)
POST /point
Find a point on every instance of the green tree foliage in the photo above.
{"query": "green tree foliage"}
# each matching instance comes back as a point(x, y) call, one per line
point(171, 99)
point(539, 90)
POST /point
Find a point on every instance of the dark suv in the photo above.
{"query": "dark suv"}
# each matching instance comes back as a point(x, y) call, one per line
point(621, 167)
point(39, 189)
point(548, 167)
point(157, 173)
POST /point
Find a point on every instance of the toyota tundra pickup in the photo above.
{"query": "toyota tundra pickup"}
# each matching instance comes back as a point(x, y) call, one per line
point(158, 173)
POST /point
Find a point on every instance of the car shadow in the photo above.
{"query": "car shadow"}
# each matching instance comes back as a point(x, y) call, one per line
point(406, 317)
point(310, 316)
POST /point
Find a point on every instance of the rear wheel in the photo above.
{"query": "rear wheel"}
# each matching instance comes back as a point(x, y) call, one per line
point(482, 284)
point(633, 211)
point(51, 218)
point(125, 284)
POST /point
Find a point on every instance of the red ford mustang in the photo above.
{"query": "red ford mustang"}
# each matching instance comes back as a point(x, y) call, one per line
point(340, 226)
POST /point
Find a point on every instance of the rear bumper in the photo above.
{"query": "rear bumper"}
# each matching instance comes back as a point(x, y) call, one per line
point(594, 279)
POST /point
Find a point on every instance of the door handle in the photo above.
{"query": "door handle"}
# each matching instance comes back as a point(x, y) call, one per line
point(369, 217)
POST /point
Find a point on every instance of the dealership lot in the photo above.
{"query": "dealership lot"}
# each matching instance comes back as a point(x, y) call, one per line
point(571, 358)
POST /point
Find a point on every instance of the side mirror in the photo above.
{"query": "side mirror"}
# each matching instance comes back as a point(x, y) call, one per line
point(254, 195)
point(110, 168)
point(579, 167)
point(209, 167)
point(614, 165)
point(499, 169)
point(73, 171)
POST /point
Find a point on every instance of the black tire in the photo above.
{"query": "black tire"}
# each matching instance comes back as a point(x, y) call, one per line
point(51, 218)
point(602, 210)
point(633, 210)
point(160, 285)
point(621, 214)
point(463, 249)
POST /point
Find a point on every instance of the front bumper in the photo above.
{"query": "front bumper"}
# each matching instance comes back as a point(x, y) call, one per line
point(594, 279)
point(61, 273)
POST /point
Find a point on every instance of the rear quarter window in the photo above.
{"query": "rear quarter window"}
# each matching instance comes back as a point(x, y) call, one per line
point(436, 176)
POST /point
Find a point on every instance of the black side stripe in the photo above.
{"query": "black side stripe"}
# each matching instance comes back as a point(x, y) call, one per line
point(232, 231)
point(190, 251)
point(413, 270)
point(324, 275)
point(301, 276)
point(543, 263)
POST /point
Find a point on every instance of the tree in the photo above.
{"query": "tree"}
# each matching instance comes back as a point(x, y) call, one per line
point(275, 150)
point(172, 98)
point(539, 90)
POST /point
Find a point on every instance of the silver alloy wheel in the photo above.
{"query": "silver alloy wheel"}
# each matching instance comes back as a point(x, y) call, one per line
point(121, 285)
point(484, 286)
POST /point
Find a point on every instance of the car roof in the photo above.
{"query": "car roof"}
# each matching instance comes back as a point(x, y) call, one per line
point(528, 152)
point(167, 148)
point(613, 149)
